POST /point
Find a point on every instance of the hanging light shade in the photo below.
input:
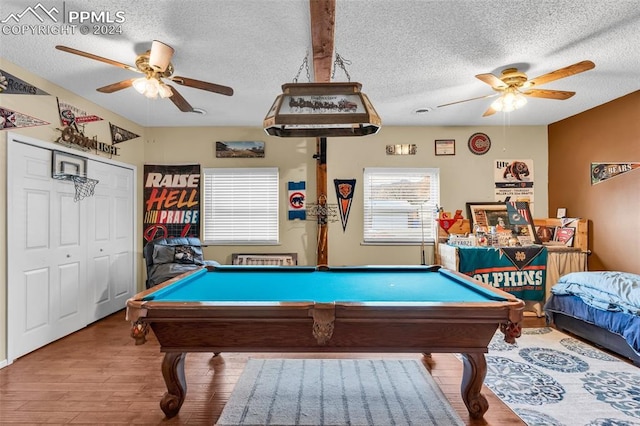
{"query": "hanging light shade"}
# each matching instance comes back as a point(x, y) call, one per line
point(321, 110)
point(509, 101)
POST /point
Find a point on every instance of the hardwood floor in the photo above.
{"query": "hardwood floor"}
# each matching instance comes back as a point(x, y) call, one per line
point(99, 376)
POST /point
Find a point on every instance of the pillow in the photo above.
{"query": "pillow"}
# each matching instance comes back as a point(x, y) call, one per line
point(188, 254)
point(163, 254)
point(177, 254)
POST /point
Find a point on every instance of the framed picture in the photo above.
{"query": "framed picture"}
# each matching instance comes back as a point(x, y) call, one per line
point(487, 214)
point(239, 149)
point(445, 147)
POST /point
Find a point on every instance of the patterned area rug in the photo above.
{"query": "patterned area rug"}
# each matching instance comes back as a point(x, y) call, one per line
point(337, 392)
point(550, 378)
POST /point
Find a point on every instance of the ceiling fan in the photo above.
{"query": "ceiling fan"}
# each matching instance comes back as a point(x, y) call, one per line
point(156, 66)
point(513, 86)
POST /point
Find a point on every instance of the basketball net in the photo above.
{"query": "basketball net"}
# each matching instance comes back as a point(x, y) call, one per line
point(84, 186)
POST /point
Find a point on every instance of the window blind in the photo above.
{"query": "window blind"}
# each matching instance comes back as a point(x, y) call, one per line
point(400, 204)
point(241, 205)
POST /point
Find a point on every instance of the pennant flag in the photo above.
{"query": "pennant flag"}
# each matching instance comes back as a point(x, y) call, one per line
point(12, 85)
point(72, 116)
point(604, 171)
point(297, 196)
point(118, 134)
point(12, 120)
point(521, 257)
point(518, 212)
point(344, 192)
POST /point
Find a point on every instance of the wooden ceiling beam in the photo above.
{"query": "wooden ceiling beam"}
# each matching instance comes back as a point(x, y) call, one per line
point(323, 23)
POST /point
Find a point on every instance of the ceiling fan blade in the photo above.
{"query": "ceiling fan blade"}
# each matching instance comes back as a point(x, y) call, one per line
point(491, 80)
point(467, 100)
point(179, 101)
point(116, 86)
point(97, 58)
point(561, 73)
point(548, 94)
point(489, 111)
point(190, 82)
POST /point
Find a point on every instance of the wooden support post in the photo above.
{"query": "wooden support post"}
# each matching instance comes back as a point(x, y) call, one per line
point(323, 20)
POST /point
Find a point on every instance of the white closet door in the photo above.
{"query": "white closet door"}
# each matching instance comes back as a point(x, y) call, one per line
point(46, 253)
point(110, 239)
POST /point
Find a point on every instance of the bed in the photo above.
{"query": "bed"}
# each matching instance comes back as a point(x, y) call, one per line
point(602, 307)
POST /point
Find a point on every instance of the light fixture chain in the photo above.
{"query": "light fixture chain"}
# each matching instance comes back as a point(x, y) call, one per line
point(305, 65)
point(340, 62)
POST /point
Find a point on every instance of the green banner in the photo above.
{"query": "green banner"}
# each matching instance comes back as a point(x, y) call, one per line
point(520, 271)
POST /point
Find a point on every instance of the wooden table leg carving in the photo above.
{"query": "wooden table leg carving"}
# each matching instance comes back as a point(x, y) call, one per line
point(473, 374)
point(174, 378)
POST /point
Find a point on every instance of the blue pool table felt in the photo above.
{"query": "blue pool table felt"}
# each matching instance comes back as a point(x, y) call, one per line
point(336, 284)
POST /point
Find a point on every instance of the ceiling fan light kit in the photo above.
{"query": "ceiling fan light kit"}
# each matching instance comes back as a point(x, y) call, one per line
point(321, 110)
point(511, 100)
point(152, 88)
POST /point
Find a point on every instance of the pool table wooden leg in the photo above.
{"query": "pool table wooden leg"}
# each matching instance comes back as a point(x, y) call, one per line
point(473, 374)
point(174, 378)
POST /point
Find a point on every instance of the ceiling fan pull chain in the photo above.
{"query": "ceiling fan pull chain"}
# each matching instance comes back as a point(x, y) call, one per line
point(305, 64)
point(340, 62)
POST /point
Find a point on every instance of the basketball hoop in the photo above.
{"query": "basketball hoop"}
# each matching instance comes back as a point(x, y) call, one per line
point(84, 186)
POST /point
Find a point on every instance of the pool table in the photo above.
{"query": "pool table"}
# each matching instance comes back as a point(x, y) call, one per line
point(423, 309)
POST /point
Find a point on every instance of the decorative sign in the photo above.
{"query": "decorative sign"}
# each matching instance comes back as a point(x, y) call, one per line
point(402, 149)
point(604, 171)
point(344, 192)
point(479, 143)
point(10, 119)
point(118, 134)
point(74, 138)
point(513, 180)
point(72, 116)
point(11, 85)
point(171, 201)
point(297, 197)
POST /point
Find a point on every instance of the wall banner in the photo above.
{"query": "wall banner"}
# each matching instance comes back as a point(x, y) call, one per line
point(604, 171)
point(297, 196)
point(171, 201)
point(344, 193)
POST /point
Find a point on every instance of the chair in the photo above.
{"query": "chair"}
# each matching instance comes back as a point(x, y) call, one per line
point(168, 257)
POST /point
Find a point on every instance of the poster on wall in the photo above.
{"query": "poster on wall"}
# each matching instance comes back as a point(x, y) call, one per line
point(171, 201)
point(514, 180)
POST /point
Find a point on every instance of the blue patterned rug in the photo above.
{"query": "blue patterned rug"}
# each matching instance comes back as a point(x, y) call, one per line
point(550, 378)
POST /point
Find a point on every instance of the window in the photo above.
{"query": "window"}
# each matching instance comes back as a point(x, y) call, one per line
point(400, 204)
point(241, 205)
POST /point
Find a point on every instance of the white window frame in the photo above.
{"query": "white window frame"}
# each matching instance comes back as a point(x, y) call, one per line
point(240, 206)
point(388, 214)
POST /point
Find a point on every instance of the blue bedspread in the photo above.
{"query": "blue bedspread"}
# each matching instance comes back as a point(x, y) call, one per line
point(606, 290)
point(608, 299)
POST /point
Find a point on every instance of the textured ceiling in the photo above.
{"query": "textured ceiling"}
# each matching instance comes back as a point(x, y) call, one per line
point(408, 55)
